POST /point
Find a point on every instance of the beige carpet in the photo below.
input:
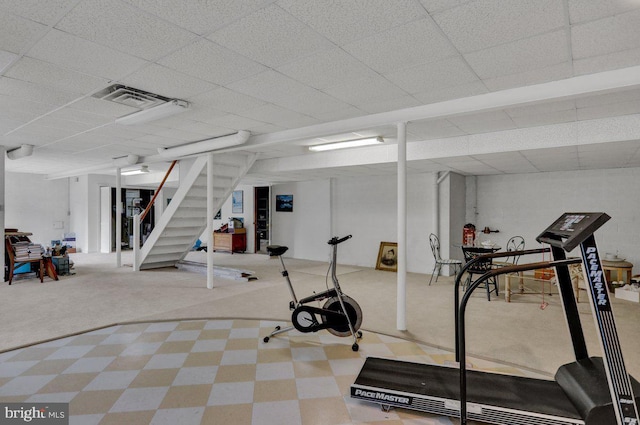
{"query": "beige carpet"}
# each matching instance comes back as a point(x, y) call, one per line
point(99, 294)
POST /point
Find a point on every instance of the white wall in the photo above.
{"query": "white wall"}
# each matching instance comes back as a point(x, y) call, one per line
point(36, 205)
point(307, 228)
point(526, 204)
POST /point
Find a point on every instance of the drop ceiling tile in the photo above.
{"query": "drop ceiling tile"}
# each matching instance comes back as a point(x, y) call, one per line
point(6, 59)
point(270, 36)
point(341, 114)
point(159, 141)
point(34, 92)
point(167, 82)
point(211, 62)
point(451, 92)
point(326, 68)
point(224, 99)
point(586, 10)
point(422, 78)
point(272, 114)
point(485, 23)
point(607, 62)
point(124, 28)
point(487, 126)
point(181, 135)
point(536, 76)
point(314, 103)
point(411, 44)
point(73, 52)
point(520, 56)
point(13, 107)
point(608, 35)
point(68, 125)
point(71, 114)
point(17, 33)
point(438, 129)
point(40, 134)
point(439, 5)
point(234, 122)
point(271, 86)
point(364, 91)
point(47, 12)
point(344, 22)
point(54, 76)
point(199, 16)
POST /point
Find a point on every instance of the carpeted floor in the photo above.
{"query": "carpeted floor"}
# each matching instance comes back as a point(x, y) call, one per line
point(517, 333)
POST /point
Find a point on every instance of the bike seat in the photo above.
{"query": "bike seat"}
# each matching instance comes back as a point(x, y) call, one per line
point(276, 250)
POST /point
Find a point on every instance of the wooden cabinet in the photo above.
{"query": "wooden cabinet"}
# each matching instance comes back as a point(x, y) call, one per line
point(232, 242)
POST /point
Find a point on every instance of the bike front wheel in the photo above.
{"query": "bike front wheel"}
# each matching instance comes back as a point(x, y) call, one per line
point(340, 327)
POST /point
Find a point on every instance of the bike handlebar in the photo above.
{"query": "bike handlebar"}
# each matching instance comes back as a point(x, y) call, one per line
point(335, 240)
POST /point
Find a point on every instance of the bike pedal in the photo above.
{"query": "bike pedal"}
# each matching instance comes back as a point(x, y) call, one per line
point(292, 306)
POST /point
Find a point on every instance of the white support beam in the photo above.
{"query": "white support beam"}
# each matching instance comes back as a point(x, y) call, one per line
point(210, 215)
point(119, 218)
point(402, 228)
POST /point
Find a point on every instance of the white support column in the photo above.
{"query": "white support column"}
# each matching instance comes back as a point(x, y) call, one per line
point(402, 228)
point(210, 214)
point(2, 204)
point(436, 205)
point(136, 243)
point(119, 218)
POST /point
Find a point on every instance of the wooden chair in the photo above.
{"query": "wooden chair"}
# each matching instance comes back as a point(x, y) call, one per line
point(435, 249)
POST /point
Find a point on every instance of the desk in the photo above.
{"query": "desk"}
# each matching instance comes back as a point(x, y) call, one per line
point(232, 242)
point(620, 268)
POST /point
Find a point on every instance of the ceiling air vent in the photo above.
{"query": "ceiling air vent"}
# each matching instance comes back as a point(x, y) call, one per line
point(131, 97)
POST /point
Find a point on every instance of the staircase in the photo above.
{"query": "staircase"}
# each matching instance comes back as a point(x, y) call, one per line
point(185, 218)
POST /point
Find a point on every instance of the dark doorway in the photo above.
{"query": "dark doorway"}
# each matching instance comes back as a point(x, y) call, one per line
point(261, 217)
point(134, 201)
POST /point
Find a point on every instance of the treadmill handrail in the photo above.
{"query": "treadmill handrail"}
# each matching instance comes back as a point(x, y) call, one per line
point(465, 267)
point(460, 343)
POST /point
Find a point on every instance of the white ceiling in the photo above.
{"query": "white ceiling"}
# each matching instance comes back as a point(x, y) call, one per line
point(288, 69)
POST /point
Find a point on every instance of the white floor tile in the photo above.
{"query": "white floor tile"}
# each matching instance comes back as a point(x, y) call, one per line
point(89, 364)
point(244, 333)
point(205, 345)
point(308, 354)
point(122, 338)
point(11, 369)
point(218, 324)
point(23, 385)
point(72, 352)
point(277, 412)
point(52, 398)
point(234, 357)
point(85, 419)
point(196, 375)
point(231, 393)
point(113, 380)
point(135, 399)
point(184, 416)
point(161, 327)
point(166, 361)
point(141, 349)
point(190, 335)
point(272, 371)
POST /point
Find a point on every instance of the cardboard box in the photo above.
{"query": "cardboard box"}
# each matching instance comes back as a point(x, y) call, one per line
point(625, 294)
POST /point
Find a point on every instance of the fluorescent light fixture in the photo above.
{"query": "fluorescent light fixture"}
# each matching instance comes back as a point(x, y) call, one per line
point(142, 170)
point(21, 152)
point(347, 144)
point(207, 145)
point(172, 107)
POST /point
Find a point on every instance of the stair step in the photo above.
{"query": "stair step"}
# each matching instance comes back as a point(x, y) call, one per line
point(172, 232)
point(160, 264)
point(176, 240)
point(187, 221)
point(177, 249)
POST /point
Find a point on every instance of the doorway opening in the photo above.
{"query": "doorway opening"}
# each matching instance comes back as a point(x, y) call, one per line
point(134, 202)
point(261, 218)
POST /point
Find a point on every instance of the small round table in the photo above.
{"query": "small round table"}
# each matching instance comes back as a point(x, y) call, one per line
point(620, 268)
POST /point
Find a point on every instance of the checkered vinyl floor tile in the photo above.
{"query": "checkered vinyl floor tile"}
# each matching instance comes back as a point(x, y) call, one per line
point(207, 372)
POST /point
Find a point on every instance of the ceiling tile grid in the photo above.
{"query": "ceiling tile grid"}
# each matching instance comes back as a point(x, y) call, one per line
point(279, 66)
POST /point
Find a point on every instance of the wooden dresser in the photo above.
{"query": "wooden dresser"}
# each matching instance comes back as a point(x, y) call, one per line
point(232, 242)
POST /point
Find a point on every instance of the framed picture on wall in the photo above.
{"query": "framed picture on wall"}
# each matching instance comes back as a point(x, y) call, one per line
point(284, 203)
point(218, 215)
point(387, 257)
point(237, 204)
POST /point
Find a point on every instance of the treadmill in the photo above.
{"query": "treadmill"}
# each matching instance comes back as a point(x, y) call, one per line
point(590, 390)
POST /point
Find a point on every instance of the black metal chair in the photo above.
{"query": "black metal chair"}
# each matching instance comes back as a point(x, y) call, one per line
point(480, 267)
point(435, 249)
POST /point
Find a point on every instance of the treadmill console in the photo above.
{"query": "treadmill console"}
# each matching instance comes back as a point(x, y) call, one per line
point(571, 229)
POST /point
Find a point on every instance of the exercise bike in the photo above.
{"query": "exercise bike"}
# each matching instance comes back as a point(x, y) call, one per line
point(340, 315)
